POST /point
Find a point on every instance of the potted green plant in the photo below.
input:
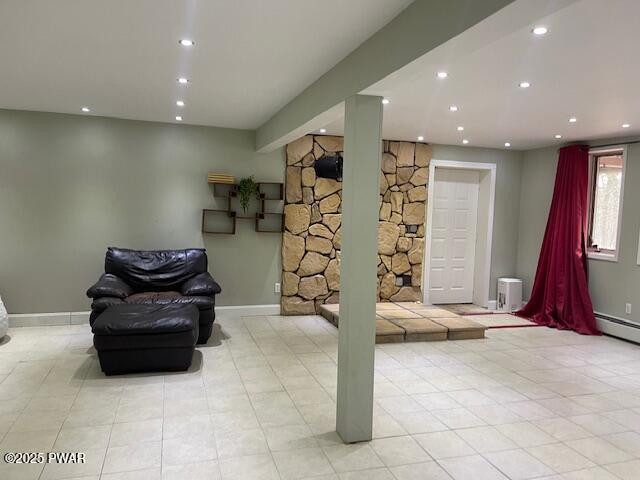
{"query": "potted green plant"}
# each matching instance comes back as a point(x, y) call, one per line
point(247, 189)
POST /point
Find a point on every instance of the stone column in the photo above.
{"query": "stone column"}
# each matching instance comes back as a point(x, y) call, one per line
point(358, 284)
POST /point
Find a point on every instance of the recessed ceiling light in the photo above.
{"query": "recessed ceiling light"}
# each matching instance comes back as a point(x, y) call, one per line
point(540, 30)
point(461, 129)
point(85, 109)
point(442, 74)
point(453, 108)
point(507, 144)
point(386, 101)
point(465, 141)
point(323, 130)
point(420, 138)
point(180, 103)
point(178, 118)
point(187, 43)
point(573, 120)
point(626, 125)
point(558, 136)
point(524, 84)
point(183, 80)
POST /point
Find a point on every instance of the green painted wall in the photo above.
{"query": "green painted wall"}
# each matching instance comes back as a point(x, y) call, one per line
point(612, 284)
point(71, 185)
point(538, 177)
point(505, 223)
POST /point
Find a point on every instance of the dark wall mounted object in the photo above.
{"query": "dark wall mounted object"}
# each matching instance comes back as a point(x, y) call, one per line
point(329, 167)
point(157, 277)
point(223, 221)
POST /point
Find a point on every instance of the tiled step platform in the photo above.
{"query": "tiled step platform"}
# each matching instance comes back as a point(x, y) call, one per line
point(414, 322)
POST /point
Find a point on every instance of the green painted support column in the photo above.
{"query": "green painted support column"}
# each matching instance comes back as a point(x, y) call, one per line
point(358, 284)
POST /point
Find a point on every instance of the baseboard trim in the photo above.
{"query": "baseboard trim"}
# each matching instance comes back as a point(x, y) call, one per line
point(492, 304)
point(82, 318)
point(48, 319)
point(248, 310)
point(618, 327)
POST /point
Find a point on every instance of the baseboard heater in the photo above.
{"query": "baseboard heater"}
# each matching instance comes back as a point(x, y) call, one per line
point(618, 327)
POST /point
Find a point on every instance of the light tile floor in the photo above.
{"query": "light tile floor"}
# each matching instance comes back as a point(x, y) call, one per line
point(259, 403)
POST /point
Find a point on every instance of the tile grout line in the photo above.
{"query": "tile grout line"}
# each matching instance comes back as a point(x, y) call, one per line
point(104, 460)
point(317, 444)
point(259, 342)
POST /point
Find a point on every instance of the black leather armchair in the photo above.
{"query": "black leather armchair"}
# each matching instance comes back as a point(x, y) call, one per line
point(157, 277)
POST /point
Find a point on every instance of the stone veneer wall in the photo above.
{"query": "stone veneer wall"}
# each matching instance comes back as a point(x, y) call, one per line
point(311, 241)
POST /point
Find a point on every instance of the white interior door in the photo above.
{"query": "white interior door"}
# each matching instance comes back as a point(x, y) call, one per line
point(453, 235)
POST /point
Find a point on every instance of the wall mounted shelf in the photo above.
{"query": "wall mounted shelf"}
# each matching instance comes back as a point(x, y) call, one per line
point(218, 221)
point(223, 221)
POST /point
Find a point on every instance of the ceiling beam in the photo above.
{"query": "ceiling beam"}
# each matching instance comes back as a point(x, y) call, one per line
point(421, 27)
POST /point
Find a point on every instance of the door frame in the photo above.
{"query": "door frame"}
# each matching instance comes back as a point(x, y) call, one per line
point(489, 168)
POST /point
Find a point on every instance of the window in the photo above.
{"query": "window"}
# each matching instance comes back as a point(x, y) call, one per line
point(605, 202)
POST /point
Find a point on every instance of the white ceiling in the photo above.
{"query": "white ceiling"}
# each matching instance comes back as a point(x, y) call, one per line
point(122, 58)
point(586, 66)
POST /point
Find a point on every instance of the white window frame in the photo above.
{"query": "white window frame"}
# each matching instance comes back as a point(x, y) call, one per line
point(592, 254)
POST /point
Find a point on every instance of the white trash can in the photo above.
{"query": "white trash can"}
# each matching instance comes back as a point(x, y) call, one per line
point(509, 294)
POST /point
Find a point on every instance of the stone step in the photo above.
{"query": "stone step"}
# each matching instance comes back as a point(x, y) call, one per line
point(421, 329)
point(392, 314)
point(408, 305)
point(432, 312)
point(330, 312)
point(387, 306)
point(461, 328)
point(387, 332)
point(420, 323)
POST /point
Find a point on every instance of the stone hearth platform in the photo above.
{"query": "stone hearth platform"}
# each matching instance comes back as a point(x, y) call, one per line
point(414, 322)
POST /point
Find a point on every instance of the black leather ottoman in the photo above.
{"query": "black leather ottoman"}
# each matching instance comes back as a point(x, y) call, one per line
point(144, 338)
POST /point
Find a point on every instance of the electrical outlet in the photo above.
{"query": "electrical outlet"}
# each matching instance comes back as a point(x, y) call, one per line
point(628, 308)
point(276, 288)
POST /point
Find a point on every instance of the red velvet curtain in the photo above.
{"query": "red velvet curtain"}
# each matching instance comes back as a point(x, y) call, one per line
point(560, 296)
